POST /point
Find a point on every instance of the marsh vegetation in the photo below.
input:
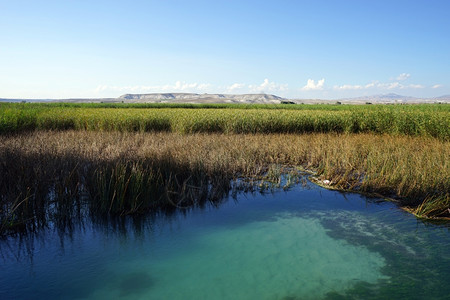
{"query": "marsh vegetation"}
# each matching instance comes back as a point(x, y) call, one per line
point(414, 120)
point(57, 161)
point(58, 173)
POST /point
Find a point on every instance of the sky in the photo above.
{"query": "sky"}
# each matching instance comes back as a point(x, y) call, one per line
point(294, 49)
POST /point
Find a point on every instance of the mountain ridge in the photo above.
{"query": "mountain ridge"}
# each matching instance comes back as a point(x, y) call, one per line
point(192, 97)
point(390, 98)
point(396, 98)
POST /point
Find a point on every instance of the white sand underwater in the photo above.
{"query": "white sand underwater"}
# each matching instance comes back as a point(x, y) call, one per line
point(286, 257)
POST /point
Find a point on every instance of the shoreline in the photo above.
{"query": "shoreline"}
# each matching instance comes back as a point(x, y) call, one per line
point(126, 173)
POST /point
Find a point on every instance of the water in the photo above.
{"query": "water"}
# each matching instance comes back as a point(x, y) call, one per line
point(306, 243)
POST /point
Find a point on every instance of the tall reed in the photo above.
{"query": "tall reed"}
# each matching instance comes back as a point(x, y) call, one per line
point(432, 121)
point(52, 173)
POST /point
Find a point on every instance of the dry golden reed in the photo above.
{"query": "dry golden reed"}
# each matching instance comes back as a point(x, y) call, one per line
point(132, 172)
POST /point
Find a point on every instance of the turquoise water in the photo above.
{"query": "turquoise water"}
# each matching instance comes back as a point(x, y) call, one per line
point(306, 243)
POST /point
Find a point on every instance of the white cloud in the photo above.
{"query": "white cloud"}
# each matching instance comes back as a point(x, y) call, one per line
point(311, 85)
point(379, 85)
point(179, 86)
point(389, 86)
point(397, 85)
point(436, 86)
point(195, 87)
point(235, 86)
point(415, 86)
point(403, 76)
point(182, 86)
point(101, 88)
point(348, 87)
point(268, 86)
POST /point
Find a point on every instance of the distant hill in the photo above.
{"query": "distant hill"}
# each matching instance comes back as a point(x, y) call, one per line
point(24, 100)
point(394, 98)
point(443, 98)
point(203, 98)
point(241, 98)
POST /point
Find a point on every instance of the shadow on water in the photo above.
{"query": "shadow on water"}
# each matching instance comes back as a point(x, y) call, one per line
point(54, 218)
point(129, 202)
point(45, 191)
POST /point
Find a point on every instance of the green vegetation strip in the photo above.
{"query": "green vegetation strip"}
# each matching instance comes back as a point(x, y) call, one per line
point(414, 120)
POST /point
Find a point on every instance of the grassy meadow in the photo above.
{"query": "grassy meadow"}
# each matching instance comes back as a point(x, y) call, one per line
point(58, 161)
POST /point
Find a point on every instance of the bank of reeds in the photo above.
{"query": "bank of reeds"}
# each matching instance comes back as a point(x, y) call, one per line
point(53, 175)
point(423, 120)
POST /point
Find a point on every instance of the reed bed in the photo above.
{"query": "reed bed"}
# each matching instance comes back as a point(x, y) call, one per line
point(56, 174)
point(421, 120)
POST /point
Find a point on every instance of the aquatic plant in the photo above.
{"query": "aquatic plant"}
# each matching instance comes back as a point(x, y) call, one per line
point(433, 207)
point(420, 120)
point(50, 174)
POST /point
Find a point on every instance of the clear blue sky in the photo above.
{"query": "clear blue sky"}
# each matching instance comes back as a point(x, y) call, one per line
point(298, 49)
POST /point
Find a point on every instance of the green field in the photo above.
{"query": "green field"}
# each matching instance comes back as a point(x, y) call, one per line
point(416, 120)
